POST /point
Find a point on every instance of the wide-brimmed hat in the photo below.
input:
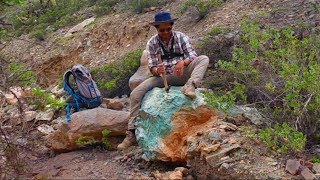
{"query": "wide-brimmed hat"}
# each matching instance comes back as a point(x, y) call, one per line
point(162, 17)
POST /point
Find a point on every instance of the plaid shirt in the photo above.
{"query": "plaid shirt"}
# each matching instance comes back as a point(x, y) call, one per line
point(181, 45)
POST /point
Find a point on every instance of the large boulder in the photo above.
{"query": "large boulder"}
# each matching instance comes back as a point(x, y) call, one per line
point(167, 120)
point(88, 123)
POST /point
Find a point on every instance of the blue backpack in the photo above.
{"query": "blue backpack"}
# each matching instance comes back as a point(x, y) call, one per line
point(85, 95)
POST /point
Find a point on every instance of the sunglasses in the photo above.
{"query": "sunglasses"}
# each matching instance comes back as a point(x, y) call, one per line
point(165, 30)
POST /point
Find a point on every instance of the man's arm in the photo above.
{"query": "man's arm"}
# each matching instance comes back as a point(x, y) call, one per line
point(187, 49)
point(152, 57)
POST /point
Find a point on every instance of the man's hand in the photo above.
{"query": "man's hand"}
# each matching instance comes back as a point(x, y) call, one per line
point(160, 68)
point(178, 70)
point(157, 70)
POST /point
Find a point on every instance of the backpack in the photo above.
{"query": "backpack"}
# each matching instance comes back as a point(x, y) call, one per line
point(86, 95)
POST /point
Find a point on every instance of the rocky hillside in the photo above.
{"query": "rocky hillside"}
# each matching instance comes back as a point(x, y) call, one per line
point(228, 146)
point(115, 35)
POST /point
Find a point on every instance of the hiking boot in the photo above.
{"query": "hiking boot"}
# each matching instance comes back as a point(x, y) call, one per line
point(189, 90)
point(128, 141)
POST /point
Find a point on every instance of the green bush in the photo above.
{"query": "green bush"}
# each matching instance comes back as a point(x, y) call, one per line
point(83, 141)
point(278, 72)
point(315, 159)
point(224, 100)
point(283, 138)
point(248, 132)
point(20, 75)
point(39, 34)
point(105, 136)
point(36, 17)
point(219, 101)
point(203, 6)
point(113, 79)
point(103, 7)
point(43, 99)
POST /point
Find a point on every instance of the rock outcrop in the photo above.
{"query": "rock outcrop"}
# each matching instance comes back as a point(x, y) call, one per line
point(167, 120)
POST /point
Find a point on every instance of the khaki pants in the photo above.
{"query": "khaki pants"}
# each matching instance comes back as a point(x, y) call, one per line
point(193, 73)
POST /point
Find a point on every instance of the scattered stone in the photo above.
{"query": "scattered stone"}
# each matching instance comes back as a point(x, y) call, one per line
point(45, 129)
point(223, 126)
point(274, 163)
point(251, 113)
point(144, 157)
point(30, 115)
point(214, 135)
point(58, 122)
point(292, 166)
point(12, 111)
point(22, 141)
point(175, 175)
point(307, 174)
point(79, 26)
point(316, 168)
point(157, 175)
point(117, 158)
point(229, 126)
point(225, 158)
point(45, 116)
point(183, 170)
point(225, 165)
point(10, 98)
point(58, 92)
point(232, 141)
point(189, 177)
point(212, 159)
point(116, 104)
point(211, 148)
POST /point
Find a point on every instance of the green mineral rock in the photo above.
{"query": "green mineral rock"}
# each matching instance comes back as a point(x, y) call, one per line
point(154, 120)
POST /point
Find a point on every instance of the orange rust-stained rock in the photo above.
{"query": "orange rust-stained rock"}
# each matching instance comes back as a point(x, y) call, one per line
point(187, 122)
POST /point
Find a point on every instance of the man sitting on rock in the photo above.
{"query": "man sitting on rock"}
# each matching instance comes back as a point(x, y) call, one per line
point(180, 63)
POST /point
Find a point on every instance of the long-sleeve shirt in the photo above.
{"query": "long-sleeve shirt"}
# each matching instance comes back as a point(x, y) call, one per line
point(181, 45)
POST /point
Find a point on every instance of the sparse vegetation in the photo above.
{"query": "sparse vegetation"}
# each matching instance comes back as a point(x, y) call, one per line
point(139, 5)
point(43, 100)
point(203, 6)
point(18, 74)
point(283, 138)
point(41, 18)
point(12, 164)
point(113, 79)
point(105, 136)
point(248, 132)
point(277, 72)
point(315, 159)
point(83, 141)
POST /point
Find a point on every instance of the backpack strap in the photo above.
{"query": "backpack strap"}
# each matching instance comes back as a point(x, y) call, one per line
point(76, 97)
